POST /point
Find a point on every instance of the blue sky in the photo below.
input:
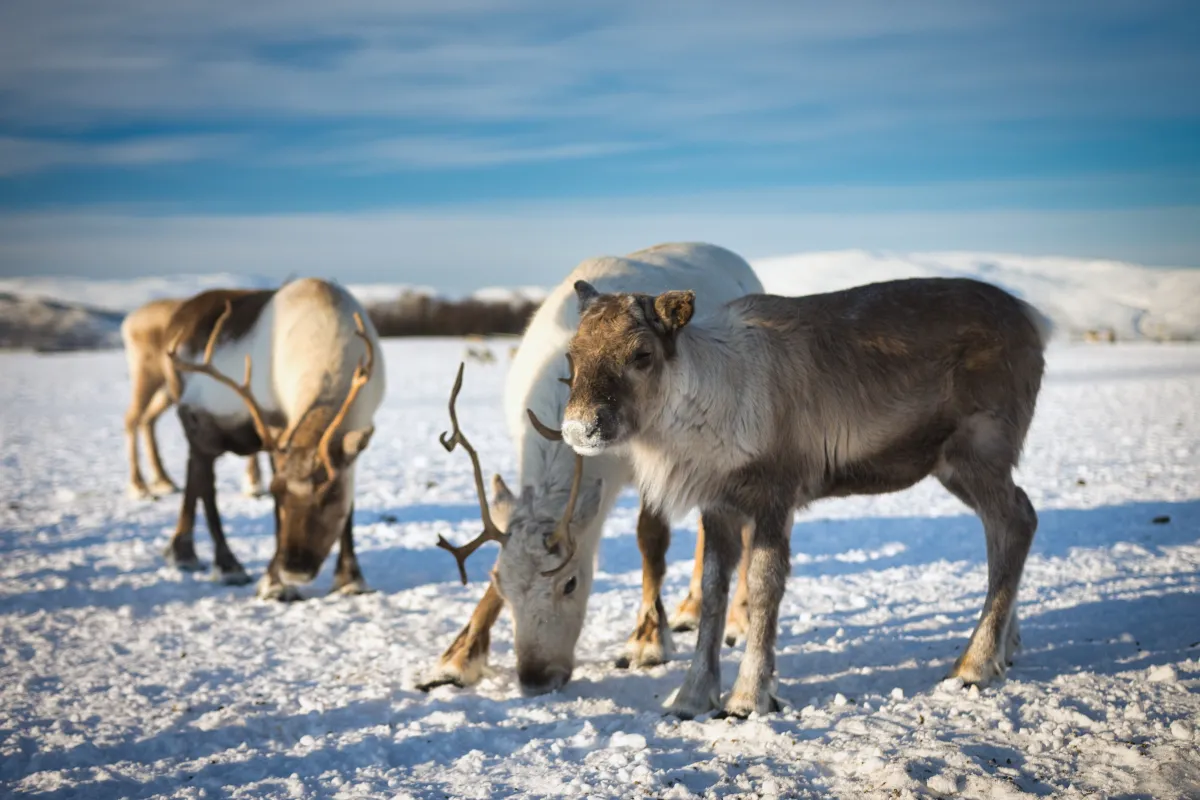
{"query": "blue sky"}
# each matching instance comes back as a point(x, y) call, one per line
point(459, 143)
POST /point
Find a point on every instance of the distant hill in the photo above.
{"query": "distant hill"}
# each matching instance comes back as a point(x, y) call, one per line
point(1084, 298)
point(1130, 301)
point(33, 323)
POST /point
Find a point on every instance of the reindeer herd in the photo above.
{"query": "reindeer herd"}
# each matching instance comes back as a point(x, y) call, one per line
point(668, 370)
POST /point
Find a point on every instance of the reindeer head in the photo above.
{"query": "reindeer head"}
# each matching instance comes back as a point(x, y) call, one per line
point(617, 356)
point(312, 462)
point(540, 573)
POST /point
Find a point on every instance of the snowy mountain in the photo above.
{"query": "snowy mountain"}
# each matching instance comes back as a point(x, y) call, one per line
point(1129, 300)
point(34, 323)
point(1085, 298)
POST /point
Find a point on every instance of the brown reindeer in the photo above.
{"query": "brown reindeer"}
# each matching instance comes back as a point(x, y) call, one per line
point(312, 380)
point(763, 404)
point(144, 332)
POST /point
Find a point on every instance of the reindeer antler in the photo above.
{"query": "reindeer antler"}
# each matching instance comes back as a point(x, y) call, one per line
point(362, 375)
point(242, 389)
point(491, 533)
point(570, 375)
point(562, 531)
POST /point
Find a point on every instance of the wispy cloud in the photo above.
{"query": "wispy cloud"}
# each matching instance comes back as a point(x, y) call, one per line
point(468, 106)
point(27, 155)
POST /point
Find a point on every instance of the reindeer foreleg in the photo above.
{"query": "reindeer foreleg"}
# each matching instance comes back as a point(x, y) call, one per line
point(465, 660)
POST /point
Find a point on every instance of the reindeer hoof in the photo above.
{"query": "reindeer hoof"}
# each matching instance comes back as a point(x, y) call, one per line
point(253, 490)
point(448, 673)
point(273, 590)
point(184, 563)
point(979, 672)
point(686, 617)
point(357, 586)
point(440, 680)
point(741, 707)
point(232, 577)
point(160, 488)
point(138, 492)
point(685, 706)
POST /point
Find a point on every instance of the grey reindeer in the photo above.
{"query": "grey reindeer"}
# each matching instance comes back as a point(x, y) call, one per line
point(759, 406)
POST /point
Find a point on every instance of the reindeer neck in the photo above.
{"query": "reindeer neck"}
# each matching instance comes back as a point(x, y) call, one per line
point(711, 416)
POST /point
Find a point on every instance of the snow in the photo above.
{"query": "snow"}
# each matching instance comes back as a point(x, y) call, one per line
point(1079, 295)
point(121, 677)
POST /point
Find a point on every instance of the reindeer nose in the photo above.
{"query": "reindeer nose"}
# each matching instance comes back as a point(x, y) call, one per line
point(539, 679)
point(579, 434)
point(299, 568)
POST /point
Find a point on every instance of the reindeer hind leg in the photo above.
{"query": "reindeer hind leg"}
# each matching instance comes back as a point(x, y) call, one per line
point(981, 476)
point(161, 483)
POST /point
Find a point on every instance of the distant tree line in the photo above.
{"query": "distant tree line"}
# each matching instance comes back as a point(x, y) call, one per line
point(413, 314)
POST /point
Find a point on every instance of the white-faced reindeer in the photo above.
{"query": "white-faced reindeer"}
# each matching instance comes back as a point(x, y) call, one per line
point(144, 332)
point(547, 558)
point(312, 381)
point(761, 405)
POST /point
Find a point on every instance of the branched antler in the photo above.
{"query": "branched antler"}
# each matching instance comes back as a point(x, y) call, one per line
point(242, 389)
point(491, 533)
point(362, 375)
point(562, 531)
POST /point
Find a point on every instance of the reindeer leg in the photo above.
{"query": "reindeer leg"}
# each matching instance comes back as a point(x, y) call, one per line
point(1009, 524)
point(687, 615)
point(161, 484)
point(252, 485)
point(182, 549)
point(770, 563)
point(739, 610)
point(650, 643)
point(701, 689)
point(142, 393)
point(348, 578)
point(464, 661)
point(227, 569)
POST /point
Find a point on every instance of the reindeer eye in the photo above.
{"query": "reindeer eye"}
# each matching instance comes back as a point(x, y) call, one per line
point(642, 358)
point(570, 587)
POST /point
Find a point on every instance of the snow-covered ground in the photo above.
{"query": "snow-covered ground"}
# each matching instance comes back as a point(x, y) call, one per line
point(121, 677)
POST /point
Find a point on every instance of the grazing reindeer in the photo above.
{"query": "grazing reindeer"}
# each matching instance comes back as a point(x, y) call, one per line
point(483, 354)
point(312, 382)
point(547, 559)
point(144, 332)
point(764, 404)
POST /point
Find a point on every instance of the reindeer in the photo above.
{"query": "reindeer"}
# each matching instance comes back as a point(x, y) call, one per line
point(144, 333)
point(763, 404)
point(483, 354)
point(547, 557)
point(311, 383)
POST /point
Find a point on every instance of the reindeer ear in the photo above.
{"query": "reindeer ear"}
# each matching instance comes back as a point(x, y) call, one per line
point(354, 442)
point(675, 309)
point(500, 491)
point(586, 293)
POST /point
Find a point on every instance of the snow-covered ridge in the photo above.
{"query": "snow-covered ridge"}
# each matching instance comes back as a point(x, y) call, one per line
point(1084, 298)
point(1132, 301)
